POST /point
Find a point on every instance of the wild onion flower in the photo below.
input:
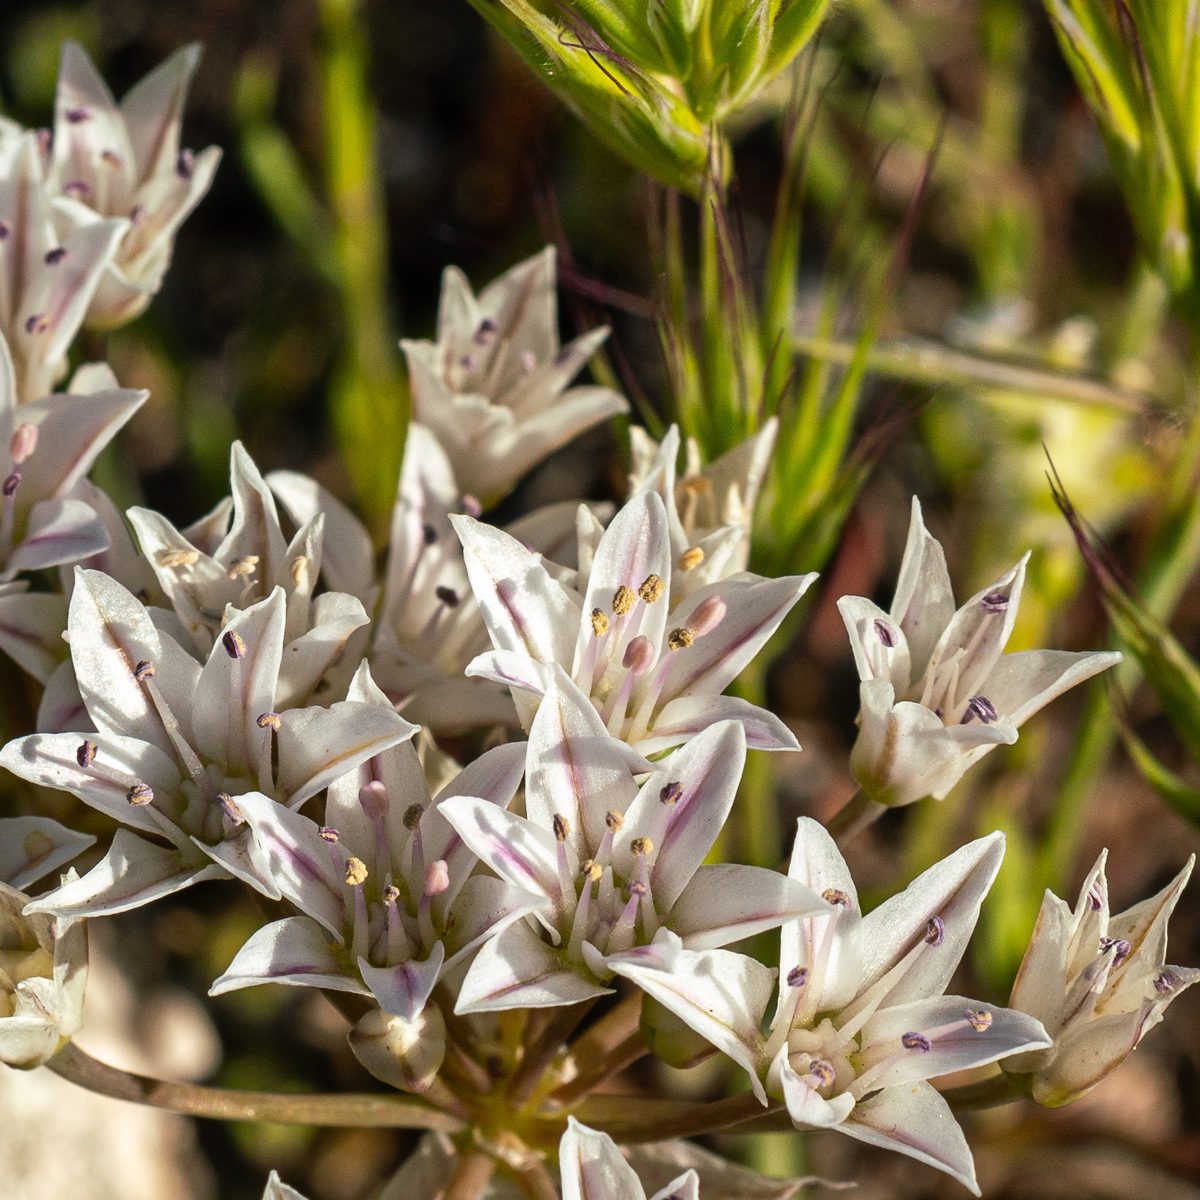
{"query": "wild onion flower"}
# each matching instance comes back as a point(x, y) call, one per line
point(860, 1021)
point(593, 1168)
point(653, 668)
point(126, 161)
point(610, 863)
point(493, 388)
point(31, 847)
point(48, 275)
point(46, 448)
point(384, 890)
point(1098, 983)
point(174, 743)
point(937, 692)
point(710, 509)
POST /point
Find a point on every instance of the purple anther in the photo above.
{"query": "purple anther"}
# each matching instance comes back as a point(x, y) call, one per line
point(671, 794)
point(1119, 946)
point(797, 977)
point(53, 257)
point(836, 897)
point(486, 333)
point(1166, 981)
point(5, 230)
point(234, 643)
point(143, 670)
point(979, 1019)
point(36, 323)
point(916, 1041)
point(329, 834)
point(76, 187)
point(981, 708)
point(76, 116)
point(471, 506)
point(11, 483)
point(140, 795)
point(935, 931)
point(429, 535)
point(85, 755)
point(885, 633)
point(185, 164)
point(447, 595)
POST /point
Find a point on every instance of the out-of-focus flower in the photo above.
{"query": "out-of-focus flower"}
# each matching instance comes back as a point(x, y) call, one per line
point(937, 692)
point(31, 847)
point(48, 276)
point(383, 887)
point(860, 1021)
point(43, 973)
point(125, 161)
point(610, 864)
point(405, 1053)
point(175, 743)
point(276, 1189)
point(654, 669)
point(493, 387)
point(46, 448)
point(710, 509)
point(235, 557)
point(1098, 983)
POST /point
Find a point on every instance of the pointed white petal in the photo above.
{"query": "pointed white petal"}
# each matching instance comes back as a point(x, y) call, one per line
point(31, 847)
point(484, 908)
point(404, 989)
point(58, 532)
point(924, 601)
point(293, 951)
point(682, 718)
point(808, 1108)
point(592, 1167)
point(1022, 683)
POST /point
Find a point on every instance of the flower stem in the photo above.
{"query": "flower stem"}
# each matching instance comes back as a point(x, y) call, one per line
point(632, 1119)
point(989, 1092)
point(355, 1110)
point(471, 1177)
point(853, 817)
point(545, 1042)
point(613, 1063)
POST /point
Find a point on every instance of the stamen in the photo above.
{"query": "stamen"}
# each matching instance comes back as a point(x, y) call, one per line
point(1166, 981)
point(641, 846)
point(994, 603)
point(447, 595)
point(639, 655)
point(231, 809)
point(329, 834)
point(269, 720)
point(437, 877)
point(691, 558)
point(429, 535)
point(76, 115)
point(486, 333)
point(982, 708)
point(185, 164)
point(85, 755)
point(234, 643)
point(562, 827)
point(681, 638)
point(1119, 946)
point(916, 1041)
point(797, 977)
point(11, 483)
point(1096, 894)
point(614, 820)
point(37, 323)
point(140, 794)
point(822, 1072)
point(837, 897)
point(143, 670)
point(111, 158)
point(935, 931)
point(599, 622)
point(979, 1019)
point(390, 894)
point(652, 589)
point(53, 257)
point(471, 506)
point(23, 442)
point(178, 558)
point(373, 800)
point(885, 633)
point(242, 568)
point(356, 871)
point(299, 571)
point(412, 816)
point(671, 794)
point(5, 230)
point(76, 187)
point(623, 600)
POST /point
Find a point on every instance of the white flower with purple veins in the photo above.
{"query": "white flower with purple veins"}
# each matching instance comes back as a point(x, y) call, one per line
point(174, 743)
point(493, 387)
point(238, 556)
point(384, 886)
point(48, 277)
point(860, 1021)
point(710, 508)
point(611, 864)
point(593, 1169)
point(126, 161)
point(46, 448)
point(654, 669)
point(937, 692)
point(1099, 984)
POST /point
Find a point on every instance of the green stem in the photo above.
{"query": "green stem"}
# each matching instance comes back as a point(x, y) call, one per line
point(621, 1056)
point(471, 1176)
point(990, 1092)
point(352, 1110)
point(853, 817)
point(542, 1048)
point(633, 1119)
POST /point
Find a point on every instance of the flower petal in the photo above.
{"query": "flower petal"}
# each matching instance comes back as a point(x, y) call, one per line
point(404, 989)
point(592, 1167)
point(682, 718)
point(924, 600)
point(293, 951)
point(31, 847)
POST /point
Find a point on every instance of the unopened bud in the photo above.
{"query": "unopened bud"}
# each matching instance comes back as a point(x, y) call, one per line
point(639, 655)
point(23, 442)
point(403, 1054)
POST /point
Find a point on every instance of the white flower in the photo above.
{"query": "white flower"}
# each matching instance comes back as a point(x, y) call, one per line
point(493, 387)
point(860, 1022)
point(611, 864)
point(31, 847)
point(47, 277)
point(46, 448)
point(384, 888)
point(1098, 983)
point(125, 161)
point(654, 669)
point(43, 973)
point(173, 744)
point(937, 692)
point(276, 1189)
point(593, 1169)
point(710, 509)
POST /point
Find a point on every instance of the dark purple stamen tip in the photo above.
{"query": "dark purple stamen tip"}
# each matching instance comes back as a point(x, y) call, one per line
point(11, 483)
point(234, 643)
point(1119, 946)
point(85, 755)
point(5, 230)
point(143, 671)
point(76, 187)
point(836, 897)
point(994, 602)
point(486, 331)
point(935, 931)
point(447, 595)
point(1166, 981)
point(77, 116)
point(979, 1019)
point(916, 1041)
point(885, 633)
point(54, 257)
point(671, 794)
point(797, 977)
point(36, 323)
point(429, 535)
point(185, 164)
point(1095, 896)
point(981, 708)
point(471, 506)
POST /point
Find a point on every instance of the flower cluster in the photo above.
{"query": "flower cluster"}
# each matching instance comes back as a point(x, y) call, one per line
point(518, 740)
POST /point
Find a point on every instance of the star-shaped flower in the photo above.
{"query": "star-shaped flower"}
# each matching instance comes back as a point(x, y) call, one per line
point(174, 743)
point(384, 886)
point(611, 864)
point(125, 161)
point(860, 1022)
point(654, 668)
point(937, 692)
point(493, 387)
point(1098, 983)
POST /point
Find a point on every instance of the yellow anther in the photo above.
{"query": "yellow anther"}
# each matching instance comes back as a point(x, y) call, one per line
point(299, 570)
point(592, 870)
point(178, 558)
point(691, 558)
point(652, 589)
point(640, 846)
point(697, 485)
point(356, 871)
point(613, 819)
point(562, 827)
point(623, 599)
point(681, 638)
point(599, 622)
point(242, 567)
